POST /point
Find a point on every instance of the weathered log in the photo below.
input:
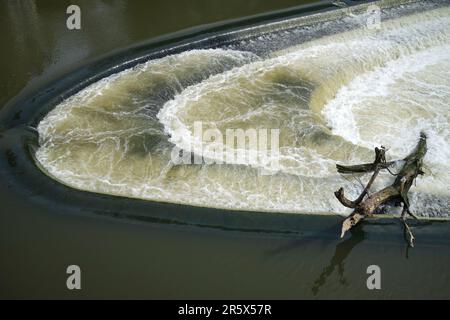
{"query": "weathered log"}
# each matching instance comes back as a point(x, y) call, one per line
point(365, 205)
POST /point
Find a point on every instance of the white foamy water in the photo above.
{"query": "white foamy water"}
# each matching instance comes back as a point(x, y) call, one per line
point(333, 99)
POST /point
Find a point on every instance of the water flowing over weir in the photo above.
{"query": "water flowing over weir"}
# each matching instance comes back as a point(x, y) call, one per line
point(334, 97)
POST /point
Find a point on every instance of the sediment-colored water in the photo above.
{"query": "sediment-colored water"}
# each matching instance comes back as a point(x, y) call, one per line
point(333, 99)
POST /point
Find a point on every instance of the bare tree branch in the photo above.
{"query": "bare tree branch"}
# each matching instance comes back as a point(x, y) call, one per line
point(365, 205)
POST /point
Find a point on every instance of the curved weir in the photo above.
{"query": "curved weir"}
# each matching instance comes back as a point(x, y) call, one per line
point(104, 166)
point(333, 97)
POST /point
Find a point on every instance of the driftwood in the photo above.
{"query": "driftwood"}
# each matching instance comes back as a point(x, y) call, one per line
point(366, 205)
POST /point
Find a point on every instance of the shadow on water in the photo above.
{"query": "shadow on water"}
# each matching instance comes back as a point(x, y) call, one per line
point(344, 248)
point(341, 253)
point(49, 228)
point(337, 261)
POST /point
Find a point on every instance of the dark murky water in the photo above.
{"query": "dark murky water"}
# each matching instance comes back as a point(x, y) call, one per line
point(45, 228)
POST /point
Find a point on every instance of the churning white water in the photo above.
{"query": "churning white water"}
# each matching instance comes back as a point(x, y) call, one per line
point(333, 99)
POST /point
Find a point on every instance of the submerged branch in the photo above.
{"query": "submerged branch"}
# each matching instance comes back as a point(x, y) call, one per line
point(408, 230)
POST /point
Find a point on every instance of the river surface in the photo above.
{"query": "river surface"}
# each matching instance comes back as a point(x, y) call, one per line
point(333, 88)
point(332, 100)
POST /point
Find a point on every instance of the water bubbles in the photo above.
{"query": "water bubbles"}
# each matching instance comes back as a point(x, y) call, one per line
point(333, 98)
